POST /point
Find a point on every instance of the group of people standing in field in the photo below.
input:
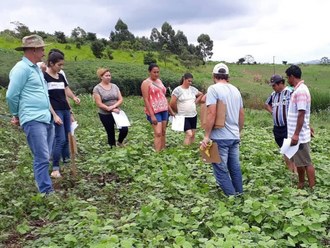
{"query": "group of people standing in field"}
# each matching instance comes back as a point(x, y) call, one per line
point(36, 105)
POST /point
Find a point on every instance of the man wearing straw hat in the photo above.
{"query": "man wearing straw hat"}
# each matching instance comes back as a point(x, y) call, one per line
point(28, 101)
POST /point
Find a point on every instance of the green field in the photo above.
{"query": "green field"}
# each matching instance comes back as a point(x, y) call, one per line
point(129, 71)
point(134, 197)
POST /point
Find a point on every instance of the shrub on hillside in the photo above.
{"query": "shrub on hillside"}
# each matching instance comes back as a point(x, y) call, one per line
point(82, 76)
point(149, 58)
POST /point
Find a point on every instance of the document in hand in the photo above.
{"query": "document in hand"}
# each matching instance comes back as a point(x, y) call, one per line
point(289, 150)
point(121, 119)
point(220, 117)
point(178, 123)
point(210, 154)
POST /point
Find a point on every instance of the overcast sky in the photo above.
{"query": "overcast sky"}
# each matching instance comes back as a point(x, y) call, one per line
point(291, 30)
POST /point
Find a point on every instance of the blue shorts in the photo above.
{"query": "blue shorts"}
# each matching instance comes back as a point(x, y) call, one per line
point(161, 116)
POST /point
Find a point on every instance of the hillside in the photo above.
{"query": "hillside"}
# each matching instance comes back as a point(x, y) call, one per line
point(128, 72)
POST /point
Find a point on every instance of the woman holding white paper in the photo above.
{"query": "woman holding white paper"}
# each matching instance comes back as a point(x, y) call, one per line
point(108, 99)
point(183, 101)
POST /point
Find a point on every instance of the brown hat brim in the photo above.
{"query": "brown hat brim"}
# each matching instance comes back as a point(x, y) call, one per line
point(22, 48)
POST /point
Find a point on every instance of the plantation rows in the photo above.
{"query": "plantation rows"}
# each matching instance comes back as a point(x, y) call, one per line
point(134, 197)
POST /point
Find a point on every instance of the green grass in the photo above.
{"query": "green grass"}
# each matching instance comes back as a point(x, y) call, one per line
point(252, 80)
point(134, 197)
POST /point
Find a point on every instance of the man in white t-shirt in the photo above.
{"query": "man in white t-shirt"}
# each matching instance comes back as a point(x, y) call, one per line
point(299, 129)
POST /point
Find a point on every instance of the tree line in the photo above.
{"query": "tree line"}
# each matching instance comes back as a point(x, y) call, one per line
point(166, 42)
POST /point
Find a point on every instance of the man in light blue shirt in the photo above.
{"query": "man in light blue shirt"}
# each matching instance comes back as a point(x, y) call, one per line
point(228, 172)
point(28, 101)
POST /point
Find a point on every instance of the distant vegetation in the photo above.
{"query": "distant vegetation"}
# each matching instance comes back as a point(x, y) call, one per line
point(133, 197)
point(165, 42)
point(127, 56)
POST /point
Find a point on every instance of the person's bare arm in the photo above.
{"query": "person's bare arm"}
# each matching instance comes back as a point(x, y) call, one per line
point(173, 103)
point(99, 102)
point(241, 119)
point(210, 120)
point(71, 95)
point(145, 94)
point(268, 108)
point(199, 97)
point(56, 118)
point(300, 122)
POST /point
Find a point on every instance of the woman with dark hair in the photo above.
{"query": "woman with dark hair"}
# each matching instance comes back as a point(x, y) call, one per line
point(156, 105)
point(183, 101)
point(108, 98)
point(60, 108)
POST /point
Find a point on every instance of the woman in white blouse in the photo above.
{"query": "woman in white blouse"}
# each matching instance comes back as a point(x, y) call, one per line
point(183, 102)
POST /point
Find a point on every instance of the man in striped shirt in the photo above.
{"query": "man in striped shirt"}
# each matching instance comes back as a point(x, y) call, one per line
point(298, 126)
point(277, 104)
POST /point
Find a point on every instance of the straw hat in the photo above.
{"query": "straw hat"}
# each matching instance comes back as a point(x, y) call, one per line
point(31, 41)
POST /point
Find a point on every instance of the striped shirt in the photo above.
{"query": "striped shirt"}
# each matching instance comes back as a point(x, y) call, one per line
point(300, 100)
point(279, 101)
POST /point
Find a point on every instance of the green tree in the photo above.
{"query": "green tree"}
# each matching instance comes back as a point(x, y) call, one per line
point(164, 54)
point(205, 45)
point(21, 29)
point(97, 48)
point(122, 33)
point(167, 36)
point(91, 36)
point(78, 35)
point(149, 58)
point(155, 39)
point(240, 61)
point(180, 43)
point(60, 37)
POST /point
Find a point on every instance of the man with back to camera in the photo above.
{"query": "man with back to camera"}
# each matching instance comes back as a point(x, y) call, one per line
point(278, 104)
point(299, 129)
point(28, 101)
point(227, 173)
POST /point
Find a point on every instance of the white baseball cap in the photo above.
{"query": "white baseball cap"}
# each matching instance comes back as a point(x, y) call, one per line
point(217, 69)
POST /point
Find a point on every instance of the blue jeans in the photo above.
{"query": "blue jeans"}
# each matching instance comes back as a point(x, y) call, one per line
point(61, 145)
point(228, 172)
point(40, 137)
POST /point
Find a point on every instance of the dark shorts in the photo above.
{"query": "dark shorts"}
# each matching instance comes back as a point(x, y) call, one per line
point(190, 123)
point(161, 116)
point(280, 133)
point(302, 156)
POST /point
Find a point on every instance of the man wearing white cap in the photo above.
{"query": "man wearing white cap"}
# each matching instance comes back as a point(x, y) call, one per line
point(228, 172)
point(28, 101)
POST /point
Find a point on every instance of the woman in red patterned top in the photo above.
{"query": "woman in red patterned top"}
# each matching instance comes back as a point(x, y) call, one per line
point(156, 105)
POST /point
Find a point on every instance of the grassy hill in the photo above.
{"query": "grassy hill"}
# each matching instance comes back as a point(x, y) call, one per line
point(128, 72)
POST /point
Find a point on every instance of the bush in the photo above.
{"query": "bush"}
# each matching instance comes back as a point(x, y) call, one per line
point(128, 77)
point(149, 58)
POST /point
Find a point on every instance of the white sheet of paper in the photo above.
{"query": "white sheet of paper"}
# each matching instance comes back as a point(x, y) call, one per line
point(178, 123)
point(121, 119)
point(74, 125)
point(288, 150)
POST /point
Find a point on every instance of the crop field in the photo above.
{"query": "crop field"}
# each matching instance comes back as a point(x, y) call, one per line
point(134, 197)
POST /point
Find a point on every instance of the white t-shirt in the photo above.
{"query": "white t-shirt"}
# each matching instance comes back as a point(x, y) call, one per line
point(186, 99)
